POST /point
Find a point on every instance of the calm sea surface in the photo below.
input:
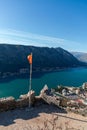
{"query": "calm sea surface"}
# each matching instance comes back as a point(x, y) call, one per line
point(70, 77)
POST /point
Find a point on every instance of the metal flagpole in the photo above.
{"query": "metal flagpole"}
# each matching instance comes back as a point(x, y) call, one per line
point(30, 83)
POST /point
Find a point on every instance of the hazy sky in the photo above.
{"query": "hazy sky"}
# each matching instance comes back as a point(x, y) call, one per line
point(51, 23)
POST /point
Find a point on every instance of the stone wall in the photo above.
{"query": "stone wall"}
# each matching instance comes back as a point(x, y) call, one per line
point(7, 103)
point(23, 101)
point(46, 95)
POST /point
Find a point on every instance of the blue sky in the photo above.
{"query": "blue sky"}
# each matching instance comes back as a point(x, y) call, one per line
point(51, 23)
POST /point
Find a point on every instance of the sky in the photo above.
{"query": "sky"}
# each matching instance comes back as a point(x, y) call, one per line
point(51, 23)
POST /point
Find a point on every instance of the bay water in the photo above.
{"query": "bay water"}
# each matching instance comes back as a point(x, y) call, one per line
point(69, 77)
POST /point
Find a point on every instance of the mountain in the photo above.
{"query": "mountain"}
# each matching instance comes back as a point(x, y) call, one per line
point(80, 56)
point(13, 58)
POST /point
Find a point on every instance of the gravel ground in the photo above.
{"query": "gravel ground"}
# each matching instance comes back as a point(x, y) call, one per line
point(41, 117)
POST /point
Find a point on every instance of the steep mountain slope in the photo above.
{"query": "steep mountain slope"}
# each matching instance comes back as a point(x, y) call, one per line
point(80, 56)
point(14, 57)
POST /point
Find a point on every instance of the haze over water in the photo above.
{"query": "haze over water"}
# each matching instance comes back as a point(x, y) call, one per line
point(70, 77)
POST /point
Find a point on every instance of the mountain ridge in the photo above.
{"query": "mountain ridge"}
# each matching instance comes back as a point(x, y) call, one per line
point(81, 56)
point(13, 58)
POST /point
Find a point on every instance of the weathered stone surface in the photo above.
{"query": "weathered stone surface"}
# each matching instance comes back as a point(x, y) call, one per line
point(10, 102)
point(48, 97)
point(22, 103)
point(72, 103)
point(44, 90)
point(63, 102)
point(7, 103)
point(25, 99)
point(84, 85)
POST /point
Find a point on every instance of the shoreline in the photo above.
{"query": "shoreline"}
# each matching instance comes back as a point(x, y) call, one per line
point(8, 76)
point(10, 81)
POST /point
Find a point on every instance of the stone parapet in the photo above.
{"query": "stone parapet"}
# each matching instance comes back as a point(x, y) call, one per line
point(10, 103)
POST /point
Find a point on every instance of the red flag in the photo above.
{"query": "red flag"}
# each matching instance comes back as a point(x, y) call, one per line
point(29, 57)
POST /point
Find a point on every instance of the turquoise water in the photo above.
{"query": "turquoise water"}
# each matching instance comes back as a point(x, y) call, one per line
point(70, 77)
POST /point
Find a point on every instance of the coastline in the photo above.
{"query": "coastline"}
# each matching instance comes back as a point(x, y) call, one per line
point(20, 83)
point(24, 73)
